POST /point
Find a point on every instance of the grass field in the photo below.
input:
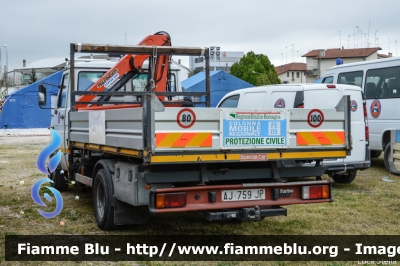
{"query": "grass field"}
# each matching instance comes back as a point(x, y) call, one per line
point(367, 206)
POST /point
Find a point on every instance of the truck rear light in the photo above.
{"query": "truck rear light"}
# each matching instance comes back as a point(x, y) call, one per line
point(366, 121)
point(331, 86)
point(171, 200)
point(315, 192)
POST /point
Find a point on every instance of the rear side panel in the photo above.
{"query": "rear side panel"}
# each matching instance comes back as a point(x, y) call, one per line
point(240, 196)
point(236, 129)
point(212, 134)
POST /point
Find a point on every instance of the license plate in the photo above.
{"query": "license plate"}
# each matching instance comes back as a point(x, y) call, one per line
point(243, 194)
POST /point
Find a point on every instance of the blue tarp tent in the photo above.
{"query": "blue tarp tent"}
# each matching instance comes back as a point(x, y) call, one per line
point(220, 84)
point(21, 109)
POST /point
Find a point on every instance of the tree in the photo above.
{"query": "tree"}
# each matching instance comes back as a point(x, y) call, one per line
point(32, 76)
point(5, 82)
point(255, 69)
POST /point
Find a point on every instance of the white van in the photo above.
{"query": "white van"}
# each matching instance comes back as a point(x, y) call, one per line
point(313, 96)
point(380, 82)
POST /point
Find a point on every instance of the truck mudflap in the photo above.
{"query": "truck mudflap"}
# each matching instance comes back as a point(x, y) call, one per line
point(239, 196)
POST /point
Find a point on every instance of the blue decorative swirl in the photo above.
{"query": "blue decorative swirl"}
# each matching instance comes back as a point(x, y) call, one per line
point(36, 198)
point(46, 152)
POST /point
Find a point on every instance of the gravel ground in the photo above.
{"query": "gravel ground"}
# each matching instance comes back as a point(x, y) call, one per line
point(24, 139)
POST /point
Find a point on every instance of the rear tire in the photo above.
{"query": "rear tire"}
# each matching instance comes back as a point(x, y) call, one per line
point(376, 154)
point(102, 199)
point(388, 157)
point(59, 181)
point(345, 178)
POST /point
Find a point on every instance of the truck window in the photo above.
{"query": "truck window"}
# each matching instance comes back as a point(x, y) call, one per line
point(351, 78)
point(383, 83)
point(328, 80)
point(86, 79)
point(139, 83)
point(230, 102)
point(63, 92)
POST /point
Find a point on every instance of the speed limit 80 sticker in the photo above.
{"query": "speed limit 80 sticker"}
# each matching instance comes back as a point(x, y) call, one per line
point(186, 118)
point(315, 118)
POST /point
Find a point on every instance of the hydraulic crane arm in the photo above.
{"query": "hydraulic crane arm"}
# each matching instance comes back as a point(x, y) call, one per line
point(130, 65)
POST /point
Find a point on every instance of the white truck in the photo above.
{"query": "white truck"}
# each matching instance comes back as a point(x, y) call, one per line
point(154, 155)
point(380, 81)
point(313, 96)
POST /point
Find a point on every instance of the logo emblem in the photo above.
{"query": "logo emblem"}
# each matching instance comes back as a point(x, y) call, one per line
point(52, 165)
point(280, 103)
point(375, 108)
point(353, 106)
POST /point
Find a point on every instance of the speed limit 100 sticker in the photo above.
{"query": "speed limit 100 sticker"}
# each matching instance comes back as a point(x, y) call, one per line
point(315, 118)
point(186, 118)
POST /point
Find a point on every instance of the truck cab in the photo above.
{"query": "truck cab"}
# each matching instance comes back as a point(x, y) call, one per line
point(87, 72)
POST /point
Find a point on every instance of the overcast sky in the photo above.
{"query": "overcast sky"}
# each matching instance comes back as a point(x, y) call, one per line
point(283, 30)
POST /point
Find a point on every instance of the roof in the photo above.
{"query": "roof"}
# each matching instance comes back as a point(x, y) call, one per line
point(375, 61)
point(199, 77)
point(221, 83)
point(290, 67)
point(343, 53)
point(44, 63)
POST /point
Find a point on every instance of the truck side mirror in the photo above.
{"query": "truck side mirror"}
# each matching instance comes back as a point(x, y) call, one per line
point(42, 95)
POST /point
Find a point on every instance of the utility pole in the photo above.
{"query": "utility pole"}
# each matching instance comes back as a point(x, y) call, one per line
point(6, 69)
point(348, 41)
point(369, 25)
point(357, 36)
point(292, 52)
point(340, 38)
point(286, 54)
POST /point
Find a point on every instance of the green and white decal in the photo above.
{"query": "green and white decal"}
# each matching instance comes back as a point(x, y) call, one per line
point(254, 129)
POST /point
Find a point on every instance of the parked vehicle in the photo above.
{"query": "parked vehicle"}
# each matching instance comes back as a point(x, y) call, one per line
point(312, 96)
point(380, 82)
point(154, 155)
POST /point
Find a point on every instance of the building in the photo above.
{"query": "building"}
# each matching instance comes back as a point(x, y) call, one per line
point(43, 68)
point(184, 72)
point(20, 109)
point(318, 61)
point(292, 73)
point(219, 60)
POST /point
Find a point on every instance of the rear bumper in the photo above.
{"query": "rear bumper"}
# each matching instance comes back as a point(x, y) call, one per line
point(348, 166)
point(202, 198)
point(340, 167)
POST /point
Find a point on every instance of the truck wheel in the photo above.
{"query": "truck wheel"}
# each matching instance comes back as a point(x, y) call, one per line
point(388, 157)
point(375, 154)
point(59, 182)
point(102, 197)
point(345, 178)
